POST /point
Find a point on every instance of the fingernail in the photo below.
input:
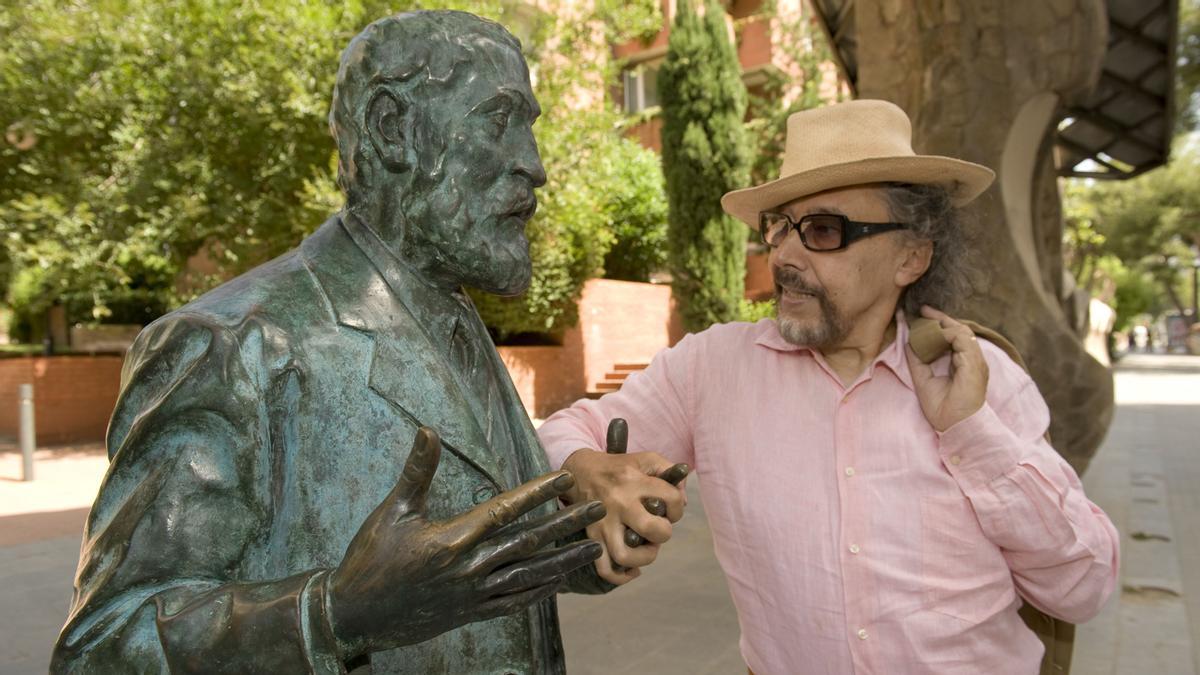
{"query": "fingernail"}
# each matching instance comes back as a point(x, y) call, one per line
point(597, 510)
point(564, 482)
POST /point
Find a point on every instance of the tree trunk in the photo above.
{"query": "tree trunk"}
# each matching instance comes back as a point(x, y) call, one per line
point(985, 81)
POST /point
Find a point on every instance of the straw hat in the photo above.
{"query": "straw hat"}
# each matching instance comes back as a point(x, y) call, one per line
point(853, 143)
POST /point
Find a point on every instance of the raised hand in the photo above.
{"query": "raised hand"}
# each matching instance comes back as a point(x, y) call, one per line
point(405, 579)
point(641, 503)
point(948, 400)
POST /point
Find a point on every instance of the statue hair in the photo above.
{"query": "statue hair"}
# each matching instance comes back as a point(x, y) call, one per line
point(413, 55)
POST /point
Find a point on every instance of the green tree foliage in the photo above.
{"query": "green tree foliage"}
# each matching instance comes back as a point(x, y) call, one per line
point(1138, 237)
point(602, 191)
point(637, 207)
point(704, 156)
point(1187, 87)
point(140, 132)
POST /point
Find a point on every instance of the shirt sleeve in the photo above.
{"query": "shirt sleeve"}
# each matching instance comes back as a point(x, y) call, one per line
point(1062, 549)
point(657, 404)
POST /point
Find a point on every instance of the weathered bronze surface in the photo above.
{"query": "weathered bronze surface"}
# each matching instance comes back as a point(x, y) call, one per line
point(255, 517)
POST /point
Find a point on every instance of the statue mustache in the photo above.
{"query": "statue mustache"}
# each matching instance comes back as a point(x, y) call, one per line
point(522, 205)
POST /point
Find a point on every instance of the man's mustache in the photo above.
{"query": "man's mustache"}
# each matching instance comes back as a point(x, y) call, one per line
point(790, 279)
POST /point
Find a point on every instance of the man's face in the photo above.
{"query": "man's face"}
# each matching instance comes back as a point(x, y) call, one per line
point(822, 295)
point(472, 211)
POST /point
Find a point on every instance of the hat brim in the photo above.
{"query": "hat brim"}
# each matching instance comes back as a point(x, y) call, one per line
point(963, 180)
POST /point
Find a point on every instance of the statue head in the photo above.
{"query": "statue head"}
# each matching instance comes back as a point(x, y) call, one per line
point(432, 113)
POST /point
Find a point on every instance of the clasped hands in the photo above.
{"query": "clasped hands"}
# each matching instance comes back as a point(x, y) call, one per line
point(641, 499)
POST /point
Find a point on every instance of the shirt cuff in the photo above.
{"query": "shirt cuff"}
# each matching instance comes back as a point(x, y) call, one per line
point(979, 448)
point(320, 645)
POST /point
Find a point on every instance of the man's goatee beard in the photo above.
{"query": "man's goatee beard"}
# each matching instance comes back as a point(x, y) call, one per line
point(830, 329)
point(824, 334)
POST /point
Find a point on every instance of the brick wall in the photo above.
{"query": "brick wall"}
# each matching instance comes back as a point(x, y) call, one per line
point(73, 396)
point(547, 378)
point(620, 322)
point(624, 322)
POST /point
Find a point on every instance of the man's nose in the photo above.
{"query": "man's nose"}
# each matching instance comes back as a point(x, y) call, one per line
point(790, 252)
point(528, 163)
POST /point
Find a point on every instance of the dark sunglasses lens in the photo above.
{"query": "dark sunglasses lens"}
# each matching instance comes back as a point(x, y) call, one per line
point(774, 227)
point(822, 232)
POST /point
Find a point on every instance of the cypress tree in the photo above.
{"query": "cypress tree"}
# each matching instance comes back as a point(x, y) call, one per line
point(704, 156)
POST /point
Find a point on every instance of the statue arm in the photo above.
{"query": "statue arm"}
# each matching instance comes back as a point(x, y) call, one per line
point(167, 580)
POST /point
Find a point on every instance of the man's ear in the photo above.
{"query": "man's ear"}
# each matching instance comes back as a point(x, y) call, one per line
point(917, 257)
point(389, 126)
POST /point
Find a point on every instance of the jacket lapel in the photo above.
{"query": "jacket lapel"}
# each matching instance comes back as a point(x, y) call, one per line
point(407, 370)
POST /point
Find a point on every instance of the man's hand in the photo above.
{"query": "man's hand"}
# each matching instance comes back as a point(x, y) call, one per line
point(405, 579)
point(946, 401)
point(625, 483)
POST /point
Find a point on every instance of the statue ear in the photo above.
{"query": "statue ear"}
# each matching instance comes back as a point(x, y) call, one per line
point(389, 126)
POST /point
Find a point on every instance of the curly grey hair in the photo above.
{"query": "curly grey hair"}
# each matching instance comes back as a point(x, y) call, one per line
point(932, 217)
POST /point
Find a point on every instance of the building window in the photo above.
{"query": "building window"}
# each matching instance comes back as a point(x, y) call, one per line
point(641, 86)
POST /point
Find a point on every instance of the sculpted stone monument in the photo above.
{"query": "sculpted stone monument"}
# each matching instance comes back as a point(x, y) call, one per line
point(263, 511)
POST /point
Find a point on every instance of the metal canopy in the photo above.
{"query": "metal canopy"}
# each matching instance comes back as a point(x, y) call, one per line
point(1125, 126)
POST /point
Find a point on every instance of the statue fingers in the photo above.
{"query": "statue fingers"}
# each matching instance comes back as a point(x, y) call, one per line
point(511, 604)
point(413, 486)
point(542, 569)
point(481, 522)
point(617, 440)
point(676, 474)
point(522, 540)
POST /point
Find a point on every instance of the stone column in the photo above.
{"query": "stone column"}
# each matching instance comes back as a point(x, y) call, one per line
point(984, 80)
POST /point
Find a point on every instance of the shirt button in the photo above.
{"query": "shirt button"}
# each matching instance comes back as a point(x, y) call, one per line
point(483, 493)
point(854, 548)
point(955, 460)
point(862, 633)
point(849, 471)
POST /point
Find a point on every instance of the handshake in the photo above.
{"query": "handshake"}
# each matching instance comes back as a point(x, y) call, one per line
point(642, 498)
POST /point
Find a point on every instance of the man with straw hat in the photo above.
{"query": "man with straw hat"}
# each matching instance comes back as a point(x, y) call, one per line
point(872, 512)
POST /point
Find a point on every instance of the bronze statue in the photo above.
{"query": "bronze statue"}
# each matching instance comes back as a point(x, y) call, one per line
point(255, 517)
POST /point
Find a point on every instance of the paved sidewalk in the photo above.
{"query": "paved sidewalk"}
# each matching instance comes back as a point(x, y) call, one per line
point(677, 619)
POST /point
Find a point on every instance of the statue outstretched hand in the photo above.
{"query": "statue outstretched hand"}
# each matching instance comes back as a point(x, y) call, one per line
point(405, 579)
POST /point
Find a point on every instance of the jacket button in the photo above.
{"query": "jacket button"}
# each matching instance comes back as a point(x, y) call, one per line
point(483, 493)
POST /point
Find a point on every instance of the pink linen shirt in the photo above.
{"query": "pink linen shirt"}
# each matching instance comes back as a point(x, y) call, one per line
point(853, 536)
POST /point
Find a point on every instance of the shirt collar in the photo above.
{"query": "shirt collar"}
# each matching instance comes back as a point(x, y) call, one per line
point(893, 355)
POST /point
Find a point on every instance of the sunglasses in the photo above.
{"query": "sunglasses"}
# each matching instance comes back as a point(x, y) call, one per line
point(818, 231)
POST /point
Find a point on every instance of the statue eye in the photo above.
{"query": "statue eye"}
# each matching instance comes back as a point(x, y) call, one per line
point(497, 122)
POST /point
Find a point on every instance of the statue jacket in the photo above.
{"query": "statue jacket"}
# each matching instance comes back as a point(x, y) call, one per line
point(256, 429)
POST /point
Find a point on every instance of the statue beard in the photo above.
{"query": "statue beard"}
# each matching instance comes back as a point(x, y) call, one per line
point(829, 328)
point(485, 251)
